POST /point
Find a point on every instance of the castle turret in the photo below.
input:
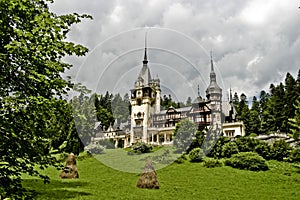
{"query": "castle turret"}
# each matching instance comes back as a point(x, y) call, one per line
point(144, 102)
point(214, 95)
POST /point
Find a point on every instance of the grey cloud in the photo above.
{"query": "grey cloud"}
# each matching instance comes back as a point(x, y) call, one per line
point(250, 51)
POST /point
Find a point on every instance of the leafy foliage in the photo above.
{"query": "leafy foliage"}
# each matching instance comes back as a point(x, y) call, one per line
point(264, 150)
point(246, 144)
point(212, 163)
point(295, 122)
point(294, 156)
point(107, 144)
point(31, 87)
point(217, 150)
point(273, 111)
point(196, 155)
point(229, 149)
point(94, 148)
point(184, 134)
point(197, 142)
point(247, 160)
point(280, 150)
point(141, 147)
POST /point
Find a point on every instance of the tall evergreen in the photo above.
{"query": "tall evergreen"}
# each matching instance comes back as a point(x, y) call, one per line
point(254, 117)
point(243, 112)
point(290, 96)
point(235, 100)
point(295, 122)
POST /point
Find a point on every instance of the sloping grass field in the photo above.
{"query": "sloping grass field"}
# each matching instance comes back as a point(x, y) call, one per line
point(177, 181)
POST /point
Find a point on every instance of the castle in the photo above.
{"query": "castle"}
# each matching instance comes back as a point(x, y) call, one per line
point(149, 124)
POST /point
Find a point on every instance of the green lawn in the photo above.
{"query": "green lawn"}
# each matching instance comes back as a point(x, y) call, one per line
point(177, 181)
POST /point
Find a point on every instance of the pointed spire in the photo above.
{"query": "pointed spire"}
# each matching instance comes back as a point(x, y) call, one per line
point(145, 76)
point(145, 61)
point(211, 61)
point(230, 94)
point(198, 91)
point(213, 87)
point(212, 72)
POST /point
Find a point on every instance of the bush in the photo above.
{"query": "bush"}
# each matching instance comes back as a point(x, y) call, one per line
point(211, 163)
point(294, 156)
point(280, 150)
point(196, 155)
point(94, 148)
point(107, 144)
point(141, 147)
point(197, 142)
point(246, 144)
point(184, 133)
point(181, 159)
point(217, 149)
point(247, 160)
point(264, 150)
point(229, 149)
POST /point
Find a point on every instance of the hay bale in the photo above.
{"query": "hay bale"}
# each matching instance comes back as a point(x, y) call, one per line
point(70, 170)
point(148, 178)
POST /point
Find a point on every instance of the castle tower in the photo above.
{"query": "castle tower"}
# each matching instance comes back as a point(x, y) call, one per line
point(214, 95)
point(145, 101)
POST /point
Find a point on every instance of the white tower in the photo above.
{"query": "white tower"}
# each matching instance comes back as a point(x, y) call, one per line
point(145, 101)
point(214, 95)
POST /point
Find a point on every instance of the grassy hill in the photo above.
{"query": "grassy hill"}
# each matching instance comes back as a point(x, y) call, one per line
point(177, 181)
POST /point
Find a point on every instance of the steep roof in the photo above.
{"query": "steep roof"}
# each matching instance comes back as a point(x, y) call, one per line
point(213, 86)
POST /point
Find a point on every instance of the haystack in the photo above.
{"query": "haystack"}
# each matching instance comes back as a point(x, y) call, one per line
point(70, 169)
point(148, 178)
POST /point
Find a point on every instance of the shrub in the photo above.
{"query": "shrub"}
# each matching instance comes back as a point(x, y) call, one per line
point(294, 156)
point(264, 150)
point(252, 135)
point(229, 149)
point(217, 149)
point(107, 144)
point(196, 155)
point(246, 144)
point(247, 160)
point(280, 150)
point(62, 157)
point(94, 148)
point(141, 147)
point(211, 163)
point(184, 133)
point(197, 142)
point(181, 159)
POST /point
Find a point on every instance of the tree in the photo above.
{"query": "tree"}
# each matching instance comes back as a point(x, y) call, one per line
point(290, 96)
point(243, 112)
point(254, 118)
point(120, 108)
point(295, 122)
point(32, 45)
point(235, 100)
point(84, 113)
point(104, 111)
point(189, 101)
point(184, 133)
point(167, 102)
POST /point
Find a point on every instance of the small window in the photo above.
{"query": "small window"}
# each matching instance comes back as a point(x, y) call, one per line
point(139, 102)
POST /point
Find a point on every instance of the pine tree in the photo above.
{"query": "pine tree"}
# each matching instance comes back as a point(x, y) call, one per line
point(254, 118)
point(189, 101)
point(243, 112)
point(295, 122)
point(290, 96)
point(235, 100)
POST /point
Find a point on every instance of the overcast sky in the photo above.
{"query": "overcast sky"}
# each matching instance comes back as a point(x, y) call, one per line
point(254, 43)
